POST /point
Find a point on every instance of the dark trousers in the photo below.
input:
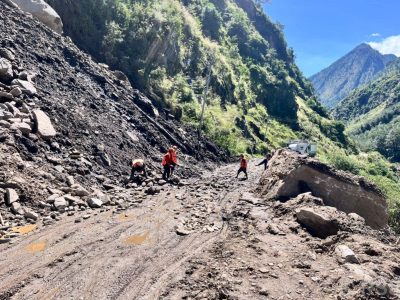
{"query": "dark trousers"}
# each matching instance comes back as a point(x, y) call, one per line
point(167, 172)
point(244, 170)
point(265, 163)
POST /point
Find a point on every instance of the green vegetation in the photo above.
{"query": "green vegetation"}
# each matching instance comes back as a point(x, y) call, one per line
point(168, 47)
point(372, 113)
point(258, 99)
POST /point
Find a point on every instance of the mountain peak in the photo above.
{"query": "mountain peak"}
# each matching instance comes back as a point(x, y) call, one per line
point(358, 67)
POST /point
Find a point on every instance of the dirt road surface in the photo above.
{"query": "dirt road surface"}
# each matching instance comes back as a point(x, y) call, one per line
point(209, 239)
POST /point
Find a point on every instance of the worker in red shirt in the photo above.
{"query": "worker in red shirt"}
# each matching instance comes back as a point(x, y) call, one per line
point(243, 166)
point(168, 162)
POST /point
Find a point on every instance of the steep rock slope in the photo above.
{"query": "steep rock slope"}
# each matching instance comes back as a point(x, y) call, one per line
point(167, 48)
point(356, 68)
point(373, 113)
point(67, 123)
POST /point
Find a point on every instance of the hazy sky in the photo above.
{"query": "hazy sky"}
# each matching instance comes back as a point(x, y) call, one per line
point(321, 31)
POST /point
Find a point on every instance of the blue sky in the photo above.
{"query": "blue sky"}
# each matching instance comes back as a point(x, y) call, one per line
point(321, 31)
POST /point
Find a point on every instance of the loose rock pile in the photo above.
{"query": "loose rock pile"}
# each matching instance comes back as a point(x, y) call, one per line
point(69, 128)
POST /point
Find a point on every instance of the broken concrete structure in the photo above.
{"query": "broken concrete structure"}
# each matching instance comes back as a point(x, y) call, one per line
point(290, 174)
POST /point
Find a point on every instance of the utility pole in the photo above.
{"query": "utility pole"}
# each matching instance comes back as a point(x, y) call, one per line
point(204, 98)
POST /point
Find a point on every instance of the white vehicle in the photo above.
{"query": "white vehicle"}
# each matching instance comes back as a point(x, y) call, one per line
point(303, 147)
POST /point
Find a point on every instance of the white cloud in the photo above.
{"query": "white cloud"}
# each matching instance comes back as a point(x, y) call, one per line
point(375, 35)
point(389, 45)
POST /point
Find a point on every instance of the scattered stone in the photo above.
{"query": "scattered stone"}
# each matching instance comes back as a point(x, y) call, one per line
point(43, 124)
point(11, 196)
point(23, 127)
point(78, 190)
point(7, 54)
point(26, 86)
point(5, 69)
point(94, 202)
point(17, 209)
point(180, 230)
point(16, 92)
point(70, 180)
point(60, 203)
point(5, 240)
point(31, 215)
point(6, 95)
point(345, 254)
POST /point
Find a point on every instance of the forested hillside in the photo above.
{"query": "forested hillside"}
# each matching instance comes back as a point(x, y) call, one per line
point(167, 49)
point(373, 114)
point(358, 67)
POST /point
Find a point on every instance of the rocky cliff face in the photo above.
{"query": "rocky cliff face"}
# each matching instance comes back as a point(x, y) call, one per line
point(358, 67)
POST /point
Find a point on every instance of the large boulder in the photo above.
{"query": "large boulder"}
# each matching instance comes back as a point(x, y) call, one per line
point(319, 223)
point(290, 174)
point(43, 12)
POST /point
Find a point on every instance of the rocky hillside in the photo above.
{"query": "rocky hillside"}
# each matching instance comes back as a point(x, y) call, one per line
point(67, 123)
point(356, 68)
point(169, 48)
point(373, 113)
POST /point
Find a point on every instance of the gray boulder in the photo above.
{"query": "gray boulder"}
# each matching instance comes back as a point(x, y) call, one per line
point(345, 254)
point(7, 54)
point(17, 209)
point(31, 215)
point(60, 203)
point(23, 127)
point(94, 203)
point(11, 196)
point(26, 86)
point(43, 124)
point(319, 224)
point(5, 69)
point(43, 12)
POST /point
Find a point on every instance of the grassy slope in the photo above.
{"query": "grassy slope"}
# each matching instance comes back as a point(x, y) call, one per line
point(165, 47)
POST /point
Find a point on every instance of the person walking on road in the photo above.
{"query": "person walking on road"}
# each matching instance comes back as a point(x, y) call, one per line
point(243, 166)
point(265, 161)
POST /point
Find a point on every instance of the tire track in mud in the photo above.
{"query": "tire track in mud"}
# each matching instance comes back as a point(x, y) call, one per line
point(92, 259)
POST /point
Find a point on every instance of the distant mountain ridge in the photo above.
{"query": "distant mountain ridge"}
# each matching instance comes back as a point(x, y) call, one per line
point(358, 67)
point(373, 113)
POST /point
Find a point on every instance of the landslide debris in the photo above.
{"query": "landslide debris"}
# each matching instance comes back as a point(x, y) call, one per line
point(69, 128)
point(290, 174)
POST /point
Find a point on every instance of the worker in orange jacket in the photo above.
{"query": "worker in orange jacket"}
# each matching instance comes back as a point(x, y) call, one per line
point(169, 161)
point(243, 166)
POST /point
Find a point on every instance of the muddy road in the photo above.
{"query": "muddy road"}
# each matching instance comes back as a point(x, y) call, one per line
point(209, 239)
point(131, 254)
